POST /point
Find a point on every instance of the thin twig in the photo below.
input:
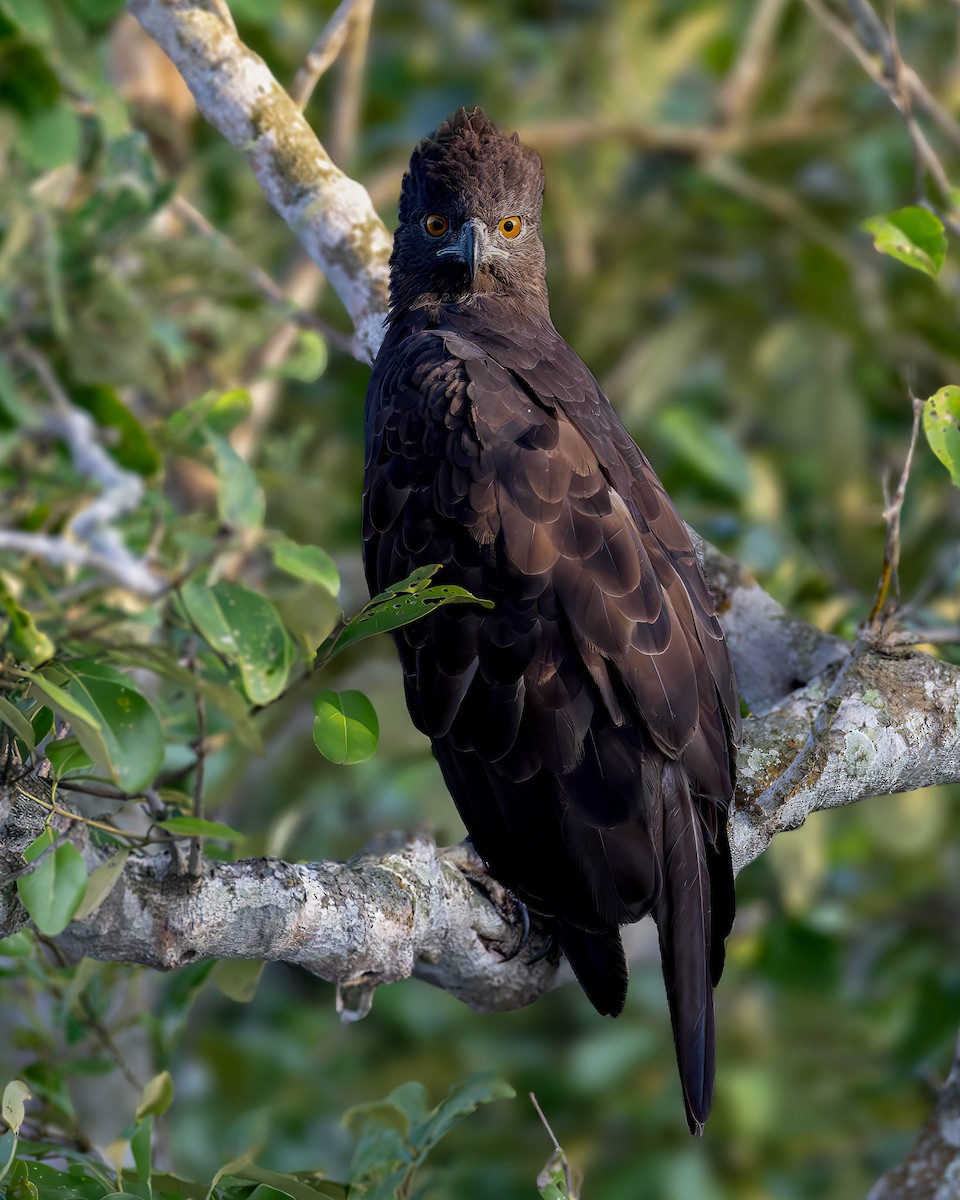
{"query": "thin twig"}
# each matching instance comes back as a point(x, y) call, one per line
point(55, 808)
point(889, 576)
point(745, 76)
point(924, 637)
point(898, 82)
point(322, 54)
point(570, 1182)
point(345, 117)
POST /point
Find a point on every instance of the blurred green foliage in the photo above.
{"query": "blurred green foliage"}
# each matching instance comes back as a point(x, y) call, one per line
point(708, 260)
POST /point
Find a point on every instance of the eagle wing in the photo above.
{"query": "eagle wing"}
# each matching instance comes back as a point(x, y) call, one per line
point(585, 726)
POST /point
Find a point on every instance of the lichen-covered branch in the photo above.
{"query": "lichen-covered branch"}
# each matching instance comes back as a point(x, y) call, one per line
point(330, 213)
point(867, 721)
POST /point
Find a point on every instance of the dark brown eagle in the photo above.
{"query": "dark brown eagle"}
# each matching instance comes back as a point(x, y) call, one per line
point(586, 726)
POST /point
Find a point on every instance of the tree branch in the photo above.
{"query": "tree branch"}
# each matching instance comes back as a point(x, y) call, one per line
point(330, 213)
point(872, 721)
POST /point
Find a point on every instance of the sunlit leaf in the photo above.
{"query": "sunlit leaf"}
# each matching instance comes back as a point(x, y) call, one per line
point(246, 629)
point(307, 361)
point(127, 739)
point(345, 727)
point(156, 1097)
point(306, 562)
point(941, 424)
point(198, 827)
point(912, 235)
point(52, 892)
point(213, 412)
point(23, 639)
point(405, 602)
point(14, 719)
point(15, 1096)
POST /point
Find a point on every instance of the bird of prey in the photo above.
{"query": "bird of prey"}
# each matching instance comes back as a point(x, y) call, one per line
point(586, 725)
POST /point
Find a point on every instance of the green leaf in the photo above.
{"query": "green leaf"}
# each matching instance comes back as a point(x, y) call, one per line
point(407, 601)
point(15, 1095)
point(240, 499)
point(126, 739)
point(42, 842)
point(31, 17)
point(198, 827)
point(156, 1097)
point(8, 1151)
point(132, 446)
point(52, 892)
point(14, 719)
point(224, 695)
point(263, 1191)
point(462, 1099)
point(213, 412)
point(101, 883)
point(345, 728)
point(307, 361)
point(23, 639)
point(69, 707)
point(306, 562)
point(42, 724)
point(237, 978)
point(552, 1180)
point(18, 945)
point(140, 1147)
point(289, 1184)
point(68, 755)
point(941, 424)
point(49, 138)
point(912, 235)
point(405, 1106)
point(246, 629)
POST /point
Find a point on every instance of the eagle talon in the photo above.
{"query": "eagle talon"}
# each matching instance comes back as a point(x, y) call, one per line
point(524, 935)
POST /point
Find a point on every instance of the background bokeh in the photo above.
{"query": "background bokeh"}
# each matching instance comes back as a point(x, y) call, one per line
point(706, 260)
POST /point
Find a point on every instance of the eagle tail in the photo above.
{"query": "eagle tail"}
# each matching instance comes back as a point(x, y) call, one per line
point(599, 964)
point(683, 916)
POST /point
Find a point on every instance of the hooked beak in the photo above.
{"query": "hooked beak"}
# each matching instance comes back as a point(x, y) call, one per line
point(472, 247)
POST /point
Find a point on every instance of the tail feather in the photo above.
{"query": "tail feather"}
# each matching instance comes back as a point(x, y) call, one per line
point(599, 964)
point(683, 916)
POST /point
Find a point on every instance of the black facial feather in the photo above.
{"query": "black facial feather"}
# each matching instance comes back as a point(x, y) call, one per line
point(586, 726)
point(466, 169)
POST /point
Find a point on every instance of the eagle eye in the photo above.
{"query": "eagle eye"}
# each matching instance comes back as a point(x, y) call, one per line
point(436, 225)
point(510, 226)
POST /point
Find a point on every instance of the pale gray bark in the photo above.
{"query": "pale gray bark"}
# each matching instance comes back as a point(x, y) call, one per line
point(847, 724)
